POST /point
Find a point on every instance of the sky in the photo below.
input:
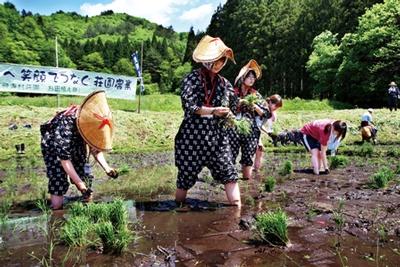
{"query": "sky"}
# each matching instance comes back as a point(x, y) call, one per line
point(181, 14)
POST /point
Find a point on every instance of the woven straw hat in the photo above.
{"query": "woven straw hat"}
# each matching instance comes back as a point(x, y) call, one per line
point(210, 49)
point(94, 121)
point(251, 65)
point(392, 84)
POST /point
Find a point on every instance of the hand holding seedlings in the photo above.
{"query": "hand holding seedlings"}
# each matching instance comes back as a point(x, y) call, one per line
point(113, 173)
point(220, 111)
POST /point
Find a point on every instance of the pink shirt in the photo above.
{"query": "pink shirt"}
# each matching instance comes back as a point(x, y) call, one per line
point(316, 130)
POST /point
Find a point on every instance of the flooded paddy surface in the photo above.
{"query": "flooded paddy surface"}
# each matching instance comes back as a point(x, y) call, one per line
point(208, 232)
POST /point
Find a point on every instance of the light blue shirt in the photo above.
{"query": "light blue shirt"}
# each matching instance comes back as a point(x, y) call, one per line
point(366, 117)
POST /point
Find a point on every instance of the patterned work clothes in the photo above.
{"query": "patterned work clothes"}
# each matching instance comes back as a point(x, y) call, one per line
point(247, 143)
point(60, 140)
point(202, 141)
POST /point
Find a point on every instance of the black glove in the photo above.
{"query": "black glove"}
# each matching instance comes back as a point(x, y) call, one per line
point(113, 174)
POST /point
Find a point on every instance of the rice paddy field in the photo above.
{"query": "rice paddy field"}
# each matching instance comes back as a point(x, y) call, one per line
point(349, 217)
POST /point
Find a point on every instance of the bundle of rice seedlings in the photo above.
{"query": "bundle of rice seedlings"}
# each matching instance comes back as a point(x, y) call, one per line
point(76, 230)
point(338, 161)
point(77, 209)
point(271, 227)
point(105, 222)
point(382, 178)
point(124, 169)
point(243, 126)
point(287, 168)
point(114, 241)
point(229, 121)
point(98, 212)
point(249, 100)
point(269, 184)
point(118, 214)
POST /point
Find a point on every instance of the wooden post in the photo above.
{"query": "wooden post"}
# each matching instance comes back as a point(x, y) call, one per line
point(141, 76)
point(58, 96)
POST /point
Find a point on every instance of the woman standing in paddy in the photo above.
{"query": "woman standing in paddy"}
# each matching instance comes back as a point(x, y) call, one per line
point(248, 143)
point(202, 140)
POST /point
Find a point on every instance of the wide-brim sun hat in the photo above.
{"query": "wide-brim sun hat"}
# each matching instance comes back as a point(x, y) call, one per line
point(251, 65)
point(392, 84)
point(95, 122)
point(210, 49)
point(370, 110)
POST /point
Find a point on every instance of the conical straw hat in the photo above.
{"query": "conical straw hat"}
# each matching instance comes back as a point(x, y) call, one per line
point(251, 65)
point(210, 49)
point(94, 121)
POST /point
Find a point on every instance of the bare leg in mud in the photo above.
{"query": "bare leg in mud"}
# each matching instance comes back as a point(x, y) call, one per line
point(56, 202)
point(315, 160)
point(233, 194)
point(259, 155)
point(231, 189)
point(180, 196)
point(247, 170)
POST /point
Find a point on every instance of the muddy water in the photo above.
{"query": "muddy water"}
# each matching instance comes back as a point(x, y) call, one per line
point(207, 232)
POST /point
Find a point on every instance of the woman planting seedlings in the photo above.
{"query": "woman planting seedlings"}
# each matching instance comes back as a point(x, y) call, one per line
point(67, 141)
point(250, 107)
point(316, 136)
point(272, 103)
point(207, 99)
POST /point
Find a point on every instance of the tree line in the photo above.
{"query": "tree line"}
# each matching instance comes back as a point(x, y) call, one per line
point(284, 37)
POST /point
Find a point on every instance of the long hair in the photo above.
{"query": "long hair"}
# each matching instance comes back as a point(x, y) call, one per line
point(340, 127)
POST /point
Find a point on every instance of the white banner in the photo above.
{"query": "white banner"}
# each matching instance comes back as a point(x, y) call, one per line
point(51, 80)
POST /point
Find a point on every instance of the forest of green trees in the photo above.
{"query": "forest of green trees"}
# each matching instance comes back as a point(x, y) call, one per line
point(347, 50)
point(101, 43)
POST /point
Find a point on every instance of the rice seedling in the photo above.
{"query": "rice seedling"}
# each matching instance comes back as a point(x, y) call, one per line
point(124, 169)
point(338, 161)
point(272, 227)
point(243, 126)
point(338, 217)
point(249, 100)
point(366, 150)
point(118, 214)
point(381, 178)
point(382, 233)
point(311, 213)
point(76, 231)
point(103, 222)
point(397, 171)
point(5, 206)
point(287, 168)
point(114, 242)
point(269, 184)
point(49, 230)
point(41, 204)
point(98, 212)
